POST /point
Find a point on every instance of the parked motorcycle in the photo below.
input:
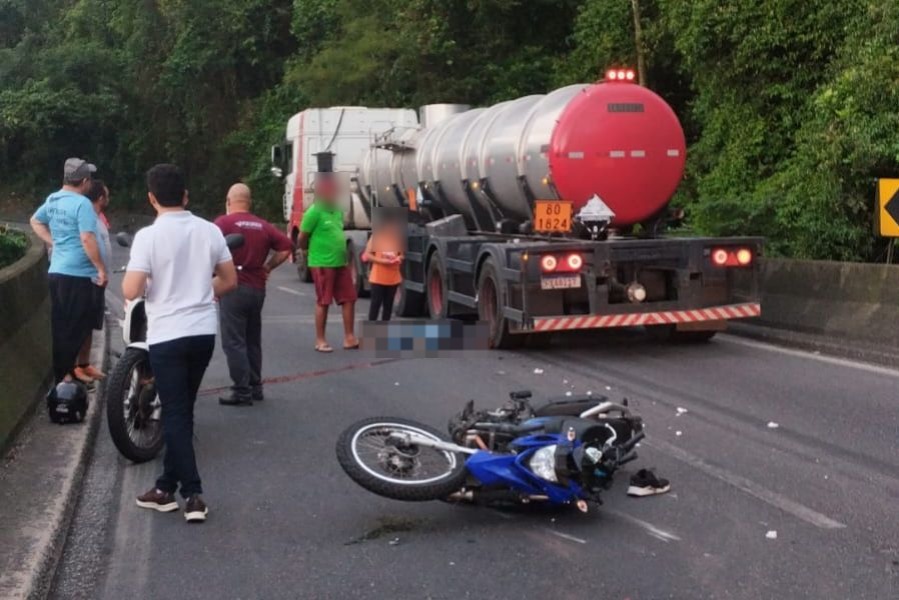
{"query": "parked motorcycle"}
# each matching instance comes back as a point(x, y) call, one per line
point(564, 452)
point(133, 408)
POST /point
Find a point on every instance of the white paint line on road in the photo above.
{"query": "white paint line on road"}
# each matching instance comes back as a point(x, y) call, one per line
point(831, 360)
point(656, 532)
point(292, 291)
point(564, 536)
point(792, 507)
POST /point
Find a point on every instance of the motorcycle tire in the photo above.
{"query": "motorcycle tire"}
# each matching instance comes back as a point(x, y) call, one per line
point(436, 488)
point(116, 388)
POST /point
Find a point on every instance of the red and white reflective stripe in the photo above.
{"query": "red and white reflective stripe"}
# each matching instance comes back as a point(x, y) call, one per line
point(715, 313)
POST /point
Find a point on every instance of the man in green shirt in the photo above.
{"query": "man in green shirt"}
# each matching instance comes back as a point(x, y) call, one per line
point(321, 236)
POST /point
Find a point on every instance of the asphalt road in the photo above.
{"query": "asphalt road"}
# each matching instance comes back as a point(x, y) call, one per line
point(772, 442)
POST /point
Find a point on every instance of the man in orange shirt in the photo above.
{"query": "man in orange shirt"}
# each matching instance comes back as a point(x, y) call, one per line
point(385, 252)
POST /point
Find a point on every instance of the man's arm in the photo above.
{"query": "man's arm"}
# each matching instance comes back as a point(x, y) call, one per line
point(92, 249)
point(281, 248)
point(134, 284)
point(225, 279)
point(42, 231)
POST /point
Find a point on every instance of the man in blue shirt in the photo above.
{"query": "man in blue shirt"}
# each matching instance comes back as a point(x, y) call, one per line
point(67, 223)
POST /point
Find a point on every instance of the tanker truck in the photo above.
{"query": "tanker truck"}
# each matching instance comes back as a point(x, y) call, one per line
point(542, 214)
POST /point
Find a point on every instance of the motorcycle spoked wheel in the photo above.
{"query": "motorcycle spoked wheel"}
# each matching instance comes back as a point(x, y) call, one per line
point(412, 473)
point(131, 408)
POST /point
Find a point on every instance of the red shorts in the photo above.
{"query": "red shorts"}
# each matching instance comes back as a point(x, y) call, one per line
point(333, 284)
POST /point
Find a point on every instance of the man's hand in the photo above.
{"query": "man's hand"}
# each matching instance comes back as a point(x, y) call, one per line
point(102, 278)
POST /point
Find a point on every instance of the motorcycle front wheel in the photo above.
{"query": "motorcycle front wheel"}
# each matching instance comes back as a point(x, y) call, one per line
point(369, 453)
point(133, 411)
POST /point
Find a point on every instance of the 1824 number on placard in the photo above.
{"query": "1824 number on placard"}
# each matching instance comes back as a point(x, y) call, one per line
point(552, 216)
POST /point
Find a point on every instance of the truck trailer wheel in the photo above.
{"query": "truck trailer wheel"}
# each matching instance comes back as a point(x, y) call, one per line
point(357, 270)
point(491, 299)
point(303, 272)
point(436, 288)
point(408, 303)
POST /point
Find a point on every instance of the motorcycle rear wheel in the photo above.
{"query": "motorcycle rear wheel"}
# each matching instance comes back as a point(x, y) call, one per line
point(134, 431)
point(400, 473)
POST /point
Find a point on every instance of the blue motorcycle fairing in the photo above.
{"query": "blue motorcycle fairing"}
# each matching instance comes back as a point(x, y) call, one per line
point(511, 470)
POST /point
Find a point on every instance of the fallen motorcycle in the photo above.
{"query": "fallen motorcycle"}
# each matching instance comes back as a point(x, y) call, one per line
point(133, 408)
point(564, 452)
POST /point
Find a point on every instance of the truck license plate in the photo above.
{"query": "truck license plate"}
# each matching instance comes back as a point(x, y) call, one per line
point(564, 282)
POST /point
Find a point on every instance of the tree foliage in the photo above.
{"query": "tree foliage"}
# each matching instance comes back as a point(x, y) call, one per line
point(791, 107)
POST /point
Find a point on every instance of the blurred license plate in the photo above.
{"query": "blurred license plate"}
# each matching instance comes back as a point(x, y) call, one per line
point(563, 282)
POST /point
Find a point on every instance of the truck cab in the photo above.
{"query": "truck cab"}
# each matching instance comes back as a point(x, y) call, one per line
point(348, 132)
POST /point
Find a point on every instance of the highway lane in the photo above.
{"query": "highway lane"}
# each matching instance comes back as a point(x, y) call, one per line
point(286, 522)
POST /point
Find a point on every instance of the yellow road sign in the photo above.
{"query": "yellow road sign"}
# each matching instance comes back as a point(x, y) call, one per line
point(888, 207)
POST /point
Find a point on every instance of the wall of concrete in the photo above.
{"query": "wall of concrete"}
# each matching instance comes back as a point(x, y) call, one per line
point(25, 345)
point(851, 301)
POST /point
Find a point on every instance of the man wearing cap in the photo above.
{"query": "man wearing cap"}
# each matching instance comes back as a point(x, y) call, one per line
point(321, 237)
point(67, 223)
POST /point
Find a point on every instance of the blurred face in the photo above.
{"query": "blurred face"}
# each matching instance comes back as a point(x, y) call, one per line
point(326, 190)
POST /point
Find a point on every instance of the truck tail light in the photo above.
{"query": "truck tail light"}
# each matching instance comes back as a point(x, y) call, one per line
point(575, 261)
point(548, 263)
point(569, 263)
point(731, 257)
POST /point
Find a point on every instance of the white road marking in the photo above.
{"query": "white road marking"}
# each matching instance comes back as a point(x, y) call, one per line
point(564, 536)
point(291, 291)
point(831, 360)
point(785, 504)
point(656, 532)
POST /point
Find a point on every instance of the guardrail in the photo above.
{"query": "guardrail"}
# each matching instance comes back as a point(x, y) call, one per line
point(25, 343)
point(855, 302)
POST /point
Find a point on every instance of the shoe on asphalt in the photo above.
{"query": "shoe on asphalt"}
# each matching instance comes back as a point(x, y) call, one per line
point(156, 499)
point(195, 510)
point(94, 372)
point(257, 395)
point(234, 400)
point(645, 483)
point(82, 375)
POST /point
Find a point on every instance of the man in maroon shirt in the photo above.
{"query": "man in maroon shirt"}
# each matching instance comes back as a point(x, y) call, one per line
point(240, 312)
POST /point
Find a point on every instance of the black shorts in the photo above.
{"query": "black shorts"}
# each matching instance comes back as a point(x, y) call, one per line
point(99, 307)
point(72, 317)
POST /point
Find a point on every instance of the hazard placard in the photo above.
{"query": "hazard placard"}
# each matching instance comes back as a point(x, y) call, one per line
point(887, 214)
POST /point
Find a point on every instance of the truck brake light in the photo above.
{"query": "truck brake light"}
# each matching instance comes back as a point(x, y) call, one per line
point(731, 257)
point(548, 263)
point(570, 263)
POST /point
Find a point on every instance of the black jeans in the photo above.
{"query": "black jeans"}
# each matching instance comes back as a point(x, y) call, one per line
point(241, 320)
point(72, 317)
point(178, 367)
point(381, 296)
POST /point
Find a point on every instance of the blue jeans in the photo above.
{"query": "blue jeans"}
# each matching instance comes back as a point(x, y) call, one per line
point(178, 367)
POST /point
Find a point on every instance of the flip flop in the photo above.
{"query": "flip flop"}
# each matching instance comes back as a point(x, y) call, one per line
point(325, 348)
point(353, 347)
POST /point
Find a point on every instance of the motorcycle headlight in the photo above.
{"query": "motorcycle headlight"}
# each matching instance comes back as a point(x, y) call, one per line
point(543, 463)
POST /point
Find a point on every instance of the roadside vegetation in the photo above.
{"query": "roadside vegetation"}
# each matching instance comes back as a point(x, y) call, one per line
point(791, 106)
point(12, 246)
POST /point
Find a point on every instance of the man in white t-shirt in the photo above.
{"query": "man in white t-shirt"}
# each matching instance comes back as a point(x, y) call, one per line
point(173, 262)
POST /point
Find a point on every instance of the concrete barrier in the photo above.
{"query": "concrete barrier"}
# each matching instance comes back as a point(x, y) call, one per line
point(25, 344)
point(855, 302)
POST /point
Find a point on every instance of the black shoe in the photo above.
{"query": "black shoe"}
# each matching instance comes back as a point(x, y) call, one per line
point(645, 483)
point(258, 396)
point(234, 400)
point(156, 499)
point(195, 510)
